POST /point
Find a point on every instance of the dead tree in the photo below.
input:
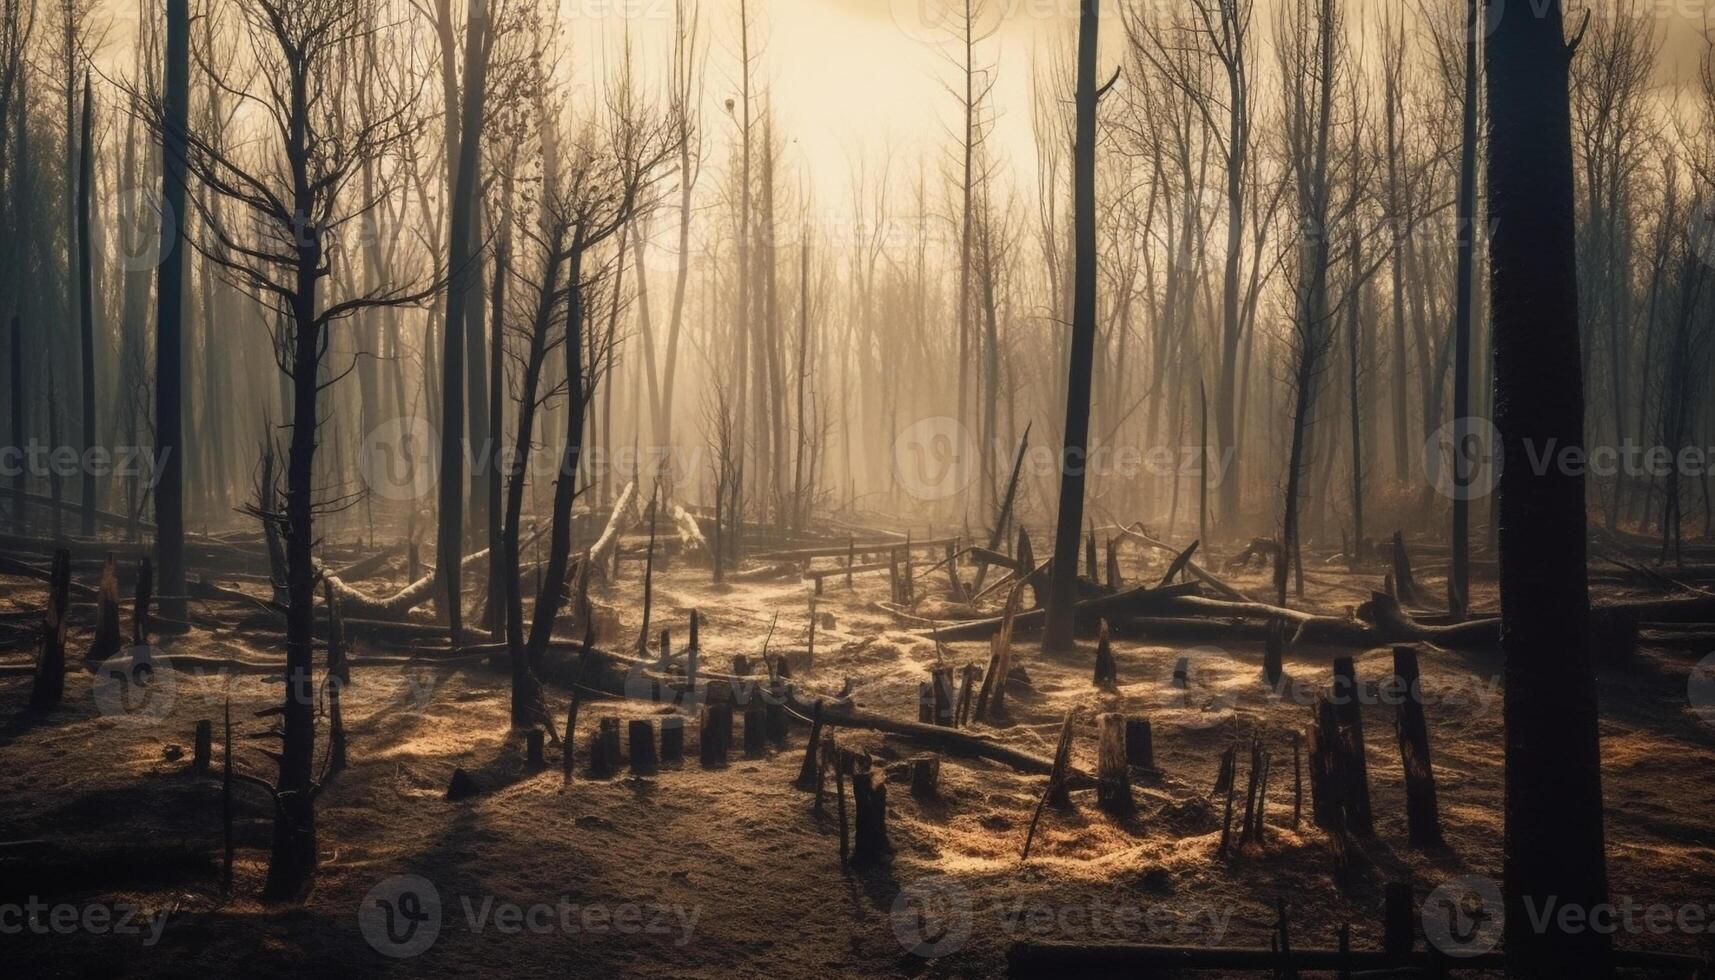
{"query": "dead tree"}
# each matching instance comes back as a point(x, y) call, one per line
point(449, 550)
point(615, 167)
point(50, 679)
point(1057, 633)
point(292, 197)
point(173, 122)
point(1554, 835)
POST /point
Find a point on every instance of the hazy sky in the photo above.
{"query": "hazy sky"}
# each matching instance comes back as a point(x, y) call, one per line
point(854, 76)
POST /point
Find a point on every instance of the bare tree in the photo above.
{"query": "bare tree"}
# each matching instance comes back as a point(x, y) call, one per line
point(1058, 628)
point(294, 193)
point(1554, 835)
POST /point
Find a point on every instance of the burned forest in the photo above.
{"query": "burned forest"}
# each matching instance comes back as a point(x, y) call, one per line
point(794, 488)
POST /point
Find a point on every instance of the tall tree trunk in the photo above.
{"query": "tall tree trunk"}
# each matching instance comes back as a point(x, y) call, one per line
point(86, 291)
point(169, 321)
point(552, 593)
point(1459, 577)
point(20, 479)
point(450, 539)
point(1554, 836)
point(1058, 628)
point(497, 597)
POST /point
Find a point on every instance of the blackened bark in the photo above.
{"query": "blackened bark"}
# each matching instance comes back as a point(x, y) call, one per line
point(20, 479)
point(1459, 578)
point(1554, 836)
point(1063, 586)
point(461, 262)
point(169, 316)
point(86, 289)
point(553, 590)
point(523, 686)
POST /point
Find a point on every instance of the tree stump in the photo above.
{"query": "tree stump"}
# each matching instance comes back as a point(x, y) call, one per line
point(1139, 743)
point(716, 735)
point(740, 665)
point(1107, 671)
point(776, 709)
point(870, 846)
point(1226, 773)
point(672, 740)
point(202, 756)
point(640, 737)
point(1182, 673)
point(941, 693)
point(1350, 712)
point(604, 749)
point(1114, 580)
point(107, 641)
point(1113, 776)
point(1405, 584)
point(533, 758)
point(1274, 652)
point(1422, 812)
point(140, 608)
point(1399, 928)
point(925, 776)
point(462, 786)
point(809, 774)
point(962, 714)
point(755, 729)
point(50, 679)
point(842, 766)
point(925, 703)
point(721, 693)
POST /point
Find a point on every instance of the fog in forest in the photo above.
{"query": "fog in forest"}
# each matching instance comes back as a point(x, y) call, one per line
point(527, 352)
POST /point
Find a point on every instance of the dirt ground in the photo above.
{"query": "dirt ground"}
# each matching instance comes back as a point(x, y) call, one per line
point(698, 873)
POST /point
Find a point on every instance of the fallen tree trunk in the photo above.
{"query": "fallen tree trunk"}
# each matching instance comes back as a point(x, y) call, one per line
point(1139, 601)
point(1379, 622)
point(624, 511)
point(1202, 574)
point(1057, 959)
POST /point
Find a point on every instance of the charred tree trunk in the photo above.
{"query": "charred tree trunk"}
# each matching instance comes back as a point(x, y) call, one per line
point(1063, 587)
point(1554, 842)
point(460, 267)
point(1459, 578)
point(86, 306)
point(169, 318)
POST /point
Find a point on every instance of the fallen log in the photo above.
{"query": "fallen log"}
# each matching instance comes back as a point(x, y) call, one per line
point(601, 552)
point(1198, 571)
point(1379, 622)
point(859, 548)
point(1139, 601)
point(1057, 959)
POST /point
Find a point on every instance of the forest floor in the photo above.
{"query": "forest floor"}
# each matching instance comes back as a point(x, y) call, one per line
point(704, 873)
